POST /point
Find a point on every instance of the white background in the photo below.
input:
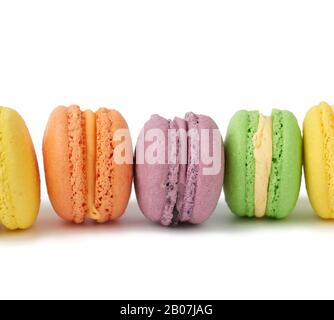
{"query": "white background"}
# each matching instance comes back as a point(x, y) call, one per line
point(167, 57)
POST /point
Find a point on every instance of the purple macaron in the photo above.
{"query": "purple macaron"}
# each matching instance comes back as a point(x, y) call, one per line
point(179, 169)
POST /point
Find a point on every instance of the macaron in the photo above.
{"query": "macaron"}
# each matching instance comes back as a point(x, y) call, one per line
point(179, 169)
point(263, 164)
point(19, 174)
point(88, 160)
point(319, 159)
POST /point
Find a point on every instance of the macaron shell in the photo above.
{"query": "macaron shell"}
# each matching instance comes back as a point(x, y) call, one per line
point(209, 187)
point(315, 151)
point(122, 173)
point(150, 180)
point(240, 163)
point(57, 163)
point(20, 182)
point(285, 180)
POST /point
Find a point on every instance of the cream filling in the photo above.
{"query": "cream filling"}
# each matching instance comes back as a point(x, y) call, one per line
point(263, 143)
point(90, 120)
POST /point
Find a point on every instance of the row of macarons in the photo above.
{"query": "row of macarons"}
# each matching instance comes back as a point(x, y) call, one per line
point(179, 167)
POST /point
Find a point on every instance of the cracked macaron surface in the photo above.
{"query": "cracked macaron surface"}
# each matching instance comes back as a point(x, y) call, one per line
point(177, 191)
point(84, 181)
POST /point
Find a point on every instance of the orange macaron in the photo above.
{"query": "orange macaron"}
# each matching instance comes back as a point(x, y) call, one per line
point(88, 164)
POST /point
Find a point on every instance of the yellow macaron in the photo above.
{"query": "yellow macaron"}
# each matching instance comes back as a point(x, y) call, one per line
point(319, 159)
point(19, 175)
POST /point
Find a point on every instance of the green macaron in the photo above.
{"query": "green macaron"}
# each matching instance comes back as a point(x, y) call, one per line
point(246, 185)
